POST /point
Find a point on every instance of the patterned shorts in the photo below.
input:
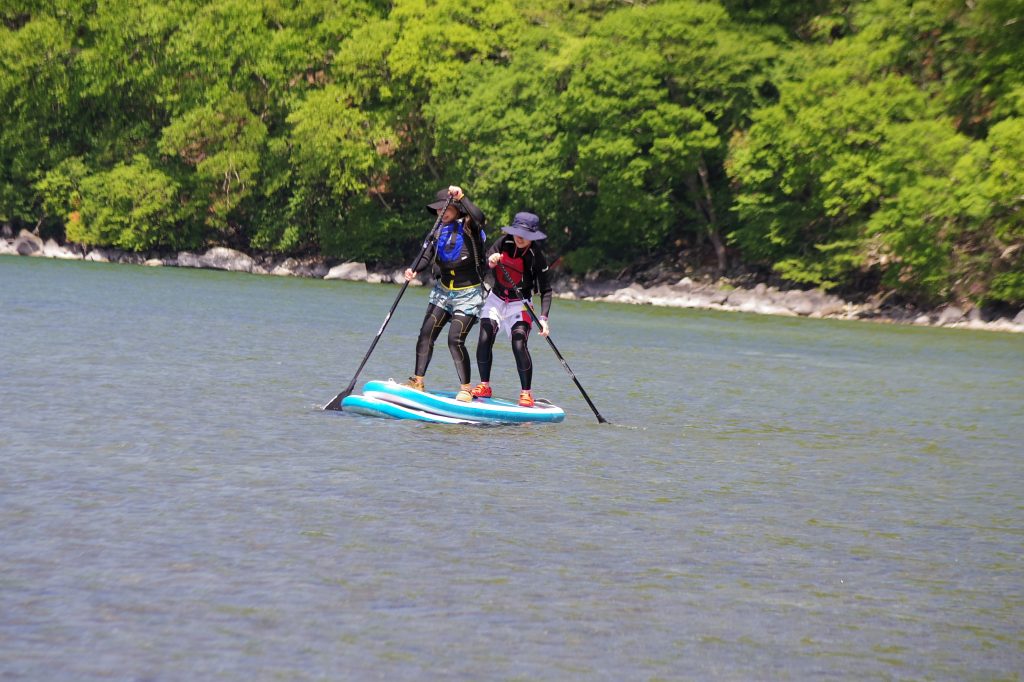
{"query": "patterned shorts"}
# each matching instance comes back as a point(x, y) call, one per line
point(467, 300)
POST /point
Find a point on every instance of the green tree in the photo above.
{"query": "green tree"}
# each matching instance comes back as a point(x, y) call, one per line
point(857, 169)
point(657, 92)
point(223, 143)
point(499, 131)
point(340, 155)
point(958, 234)
point(811, 170)
point(38, 102)
point(132, 206)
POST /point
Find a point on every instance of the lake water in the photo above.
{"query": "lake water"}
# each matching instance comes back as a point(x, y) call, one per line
point(775, 498)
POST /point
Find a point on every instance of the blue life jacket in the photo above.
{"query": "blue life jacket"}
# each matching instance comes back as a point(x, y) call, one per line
point(449, 242)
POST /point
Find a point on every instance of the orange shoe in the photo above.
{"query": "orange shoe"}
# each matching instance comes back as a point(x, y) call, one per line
point(525, 399)
point(481, 390)
point(464, 396)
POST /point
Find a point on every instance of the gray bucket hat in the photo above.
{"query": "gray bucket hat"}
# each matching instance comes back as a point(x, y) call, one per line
point(525, 225)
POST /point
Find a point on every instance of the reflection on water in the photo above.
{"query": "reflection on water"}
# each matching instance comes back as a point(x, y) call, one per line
point(791, 498)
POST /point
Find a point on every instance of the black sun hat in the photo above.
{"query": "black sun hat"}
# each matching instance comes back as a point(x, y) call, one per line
point(525, 225)
point(442, 199)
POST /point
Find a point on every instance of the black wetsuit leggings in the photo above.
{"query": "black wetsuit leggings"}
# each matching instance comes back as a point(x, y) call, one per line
point(485, 345)
point(433, 322)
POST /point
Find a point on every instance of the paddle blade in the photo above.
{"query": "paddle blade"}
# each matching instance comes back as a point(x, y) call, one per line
point(336, 403)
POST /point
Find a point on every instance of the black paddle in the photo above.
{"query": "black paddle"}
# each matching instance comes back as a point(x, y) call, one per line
point(533, 314)
point(336, 403)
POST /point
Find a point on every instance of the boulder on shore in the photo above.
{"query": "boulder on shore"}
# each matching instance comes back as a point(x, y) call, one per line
point(28, 244)
point(285, 268)
point(222, 258)
point(950, 315)
point(351, 271)
point(187, 259)
point(51, 249)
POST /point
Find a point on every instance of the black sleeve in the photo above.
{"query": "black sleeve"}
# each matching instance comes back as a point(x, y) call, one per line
point(471, 209)
point(476, 220)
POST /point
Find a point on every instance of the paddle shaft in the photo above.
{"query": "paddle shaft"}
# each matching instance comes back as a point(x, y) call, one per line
point(536, 319)
point(336, 403)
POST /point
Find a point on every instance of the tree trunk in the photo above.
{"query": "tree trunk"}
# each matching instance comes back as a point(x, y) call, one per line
point(702, 201)
point(713, 234)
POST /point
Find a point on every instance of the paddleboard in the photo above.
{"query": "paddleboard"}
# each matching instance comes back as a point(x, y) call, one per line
point(372, 407)
point(391, 399)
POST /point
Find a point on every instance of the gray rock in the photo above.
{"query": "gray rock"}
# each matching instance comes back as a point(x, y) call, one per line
point(738, 297)
point(318, 269)
point(661, 291)
point(950, 315)
point(98, 255)
point(28, 244)
point(831, 305)
point(634, 293)
point(717, 296)
point(594, 289)
point(1019, 319)
point(221, 258)
point(350, 271)
point(799, 302)
point(187, 259)
point(285, 268)
point(51, 249)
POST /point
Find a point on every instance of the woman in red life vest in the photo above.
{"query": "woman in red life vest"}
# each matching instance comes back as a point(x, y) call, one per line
point(457, 257)
point(520, 269)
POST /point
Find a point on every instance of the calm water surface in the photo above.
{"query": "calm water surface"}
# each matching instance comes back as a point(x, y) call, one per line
point(777, 498)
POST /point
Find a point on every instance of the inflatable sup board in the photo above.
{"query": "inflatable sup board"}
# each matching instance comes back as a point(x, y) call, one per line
point(391, 399)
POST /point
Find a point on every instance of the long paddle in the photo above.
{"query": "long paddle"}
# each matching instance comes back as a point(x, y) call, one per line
point(336, 403)
point(533, 314)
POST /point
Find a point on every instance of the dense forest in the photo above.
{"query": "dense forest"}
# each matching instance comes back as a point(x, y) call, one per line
point(857, 146)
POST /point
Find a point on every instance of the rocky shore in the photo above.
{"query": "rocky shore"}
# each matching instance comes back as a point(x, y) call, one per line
point(660, 287)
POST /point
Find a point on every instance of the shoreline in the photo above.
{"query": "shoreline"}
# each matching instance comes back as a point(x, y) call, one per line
point(666, 290)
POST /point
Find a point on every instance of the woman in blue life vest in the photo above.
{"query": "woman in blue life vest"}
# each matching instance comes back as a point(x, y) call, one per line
point(457, 257)
point(520, 269)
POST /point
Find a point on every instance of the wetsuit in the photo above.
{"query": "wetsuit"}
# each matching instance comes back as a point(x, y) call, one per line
point(520, 273)
point(457, 257)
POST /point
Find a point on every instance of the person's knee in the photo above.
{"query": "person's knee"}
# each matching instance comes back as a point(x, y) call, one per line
point(456, 338)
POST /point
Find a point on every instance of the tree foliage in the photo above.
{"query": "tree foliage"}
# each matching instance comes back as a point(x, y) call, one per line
point(854, 146)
